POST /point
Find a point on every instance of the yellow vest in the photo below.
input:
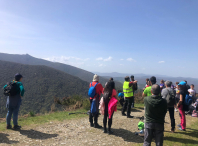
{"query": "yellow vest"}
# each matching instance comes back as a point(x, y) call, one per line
point(128, 91)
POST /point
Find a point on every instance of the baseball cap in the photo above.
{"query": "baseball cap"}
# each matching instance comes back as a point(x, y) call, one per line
point(182, 83)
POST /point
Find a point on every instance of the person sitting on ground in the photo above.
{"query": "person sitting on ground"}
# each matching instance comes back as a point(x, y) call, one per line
point(109, 92)
point(162, 86)
point(169, 94)
point(187, 86)
point(192, 93)
point(99, 90)
point(147, 91)
point(121, 97)
point(155, 111)
point(128, 94)
point(135, 87)
point(177, 96)
point(181, 105)
point(14, 103)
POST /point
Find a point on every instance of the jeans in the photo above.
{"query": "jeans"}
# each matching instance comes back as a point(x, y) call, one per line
point(127, 106)
point(13, 110)
point(153, 130)
point(172, 117)
point(106, 116)
point(91, 116)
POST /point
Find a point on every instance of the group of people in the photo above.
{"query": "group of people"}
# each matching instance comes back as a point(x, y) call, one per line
point(158, 99)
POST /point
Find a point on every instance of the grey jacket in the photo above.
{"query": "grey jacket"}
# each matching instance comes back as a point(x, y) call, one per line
point(165, 92)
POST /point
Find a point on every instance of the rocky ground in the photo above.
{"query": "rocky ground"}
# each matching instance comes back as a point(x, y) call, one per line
point(78, 132)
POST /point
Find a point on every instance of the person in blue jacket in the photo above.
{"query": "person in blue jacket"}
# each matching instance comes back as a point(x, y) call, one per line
point(121, 97)
point(14, 102)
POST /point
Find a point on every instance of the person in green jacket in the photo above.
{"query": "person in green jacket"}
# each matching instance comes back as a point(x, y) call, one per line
point(155, 111)
point(14, 102)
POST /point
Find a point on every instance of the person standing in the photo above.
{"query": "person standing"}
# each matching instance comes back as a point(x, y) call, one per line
point(121, 97)
point(14, 102)
point(177, 96)
point(169, 94)
point(155, 111)
point(192, 93)
point(147, 91)
point(187, 86)
point(98, 91)
point(109, 94)
point(128, 93)
point(181, 106)
point(135, 87)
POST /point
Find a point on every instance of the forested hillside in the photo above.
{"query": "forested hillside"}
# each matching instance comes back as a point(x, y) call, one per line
point(27, 59)
point(41, 84)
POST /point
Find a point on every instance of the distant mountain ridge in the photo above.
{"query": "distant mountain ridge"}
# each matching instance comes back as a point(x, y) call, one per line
point(41, 84)
point(74, 71)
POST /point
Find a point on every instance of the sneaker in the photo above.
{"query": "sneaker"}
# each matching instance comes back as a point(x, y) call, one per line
point(123, 114)
point(9, 127)
point(16, 127)
point(130, 116)
point(91, 125)
point(176, 110)
point(181, 129)
point(97, 126)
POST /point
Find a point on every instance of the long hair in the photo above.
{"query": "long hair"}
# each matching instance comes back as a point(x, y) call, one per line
point(183, 88)
point(109, 87)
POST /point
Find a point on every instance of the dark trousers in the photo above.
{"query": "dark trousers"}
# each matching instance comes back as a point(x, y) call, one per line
point(153, 130)
point(91, 116)
point(127, 106)
point(121, 101)
point(106, 116)
point(133, 101)
point(172, 117)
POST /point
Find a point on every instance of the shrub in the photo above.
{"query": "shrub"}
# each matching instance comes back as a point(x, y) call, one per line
point(31, 114)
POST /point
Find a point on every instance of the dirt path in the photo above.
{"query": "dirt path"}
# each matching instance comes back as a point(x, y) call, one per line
point(78, 133)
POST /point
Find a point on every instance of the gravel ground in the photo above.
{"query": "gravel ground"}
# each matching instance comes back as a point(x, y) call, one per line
point(78, 132)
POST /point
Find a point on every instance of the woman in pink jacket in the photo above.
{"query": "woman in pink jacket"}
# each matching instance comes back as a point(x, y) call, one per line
point(109, 98)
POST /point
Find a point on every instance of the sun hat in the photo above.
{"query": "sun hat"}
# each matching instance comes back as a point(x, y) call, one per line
point(95, 78)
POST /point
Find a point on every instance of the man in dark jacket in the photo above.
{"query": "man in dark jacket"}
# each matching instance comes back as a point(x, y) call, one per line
point(168, 93)
point(155, 111)
point(14, 102)
point(135, 87)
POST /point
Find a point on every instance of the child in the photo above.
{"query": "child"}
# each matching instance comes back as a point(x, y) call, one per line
point(121, 97)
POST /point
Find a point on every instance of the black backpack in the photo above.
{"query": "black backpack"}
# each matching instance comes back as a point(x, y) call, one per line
point(170, 98)
point(11, 89)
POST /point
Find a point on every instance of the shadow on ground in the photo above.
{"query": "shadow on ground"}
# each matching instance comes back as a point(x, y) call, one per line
point(127, 135)
point(36, 134)
point(4, 139)
point(179, 140)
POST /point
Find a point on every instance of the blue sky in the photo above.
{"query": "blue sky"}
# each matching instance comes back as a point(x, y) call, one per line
point(130, 36)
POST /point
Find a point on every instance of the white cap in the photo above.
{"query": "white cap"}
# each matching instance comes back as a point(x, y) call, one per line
point(95, 78)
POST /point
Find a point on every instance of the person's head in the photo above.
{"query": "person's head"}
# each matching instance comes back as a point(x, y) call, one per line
point(192, 86)
point(109, 87)
point(153, 80)
point(185, 81)
point(168, 84)
point(18, 77)
point(127, 78)
point(162, 81)
point(95, 78)
point(111, 79)
point(182, 86)
point(155, 89)
point(132, 77)
point(176, 83)
point(147, 79)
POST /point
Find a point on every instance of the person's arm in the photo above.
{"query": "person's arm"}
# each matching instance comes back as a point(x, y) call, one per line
point(21, 90)
point(163, 93)
point(5, 86)
point(132, 83)
point(144, 94)
point(180, 101)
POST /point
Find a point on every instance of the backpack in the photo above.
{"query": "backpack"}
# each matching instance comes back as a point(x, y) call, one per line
point(11, 89)
point(92, 90)
point(170, 98)
point(188, 100)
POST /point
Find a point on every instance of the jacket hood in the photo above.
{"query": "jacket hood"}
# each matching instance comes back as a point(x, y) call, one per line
point(155, 101)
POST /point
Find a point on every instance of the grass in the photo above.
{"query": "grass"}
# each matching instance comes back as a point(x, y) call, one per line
point(52, 117)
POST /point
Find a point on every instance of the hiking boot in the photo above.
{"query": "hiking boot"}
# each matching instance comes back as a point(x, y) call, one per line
point(181, 129)
point(110, 132)
point(105, 130)
point(130, 116)
point(16, 127)
point(123, 114)
point(97, 126)
point(91, 125)
point(9, 127)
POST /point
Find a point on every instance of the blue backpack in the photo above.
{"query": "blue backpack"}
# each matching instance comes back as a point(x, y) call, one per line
point(188, 100)
point(92, 90)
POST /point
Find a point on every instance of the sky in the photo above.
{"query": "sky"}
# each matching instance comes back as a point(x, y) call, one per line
point(130, 36)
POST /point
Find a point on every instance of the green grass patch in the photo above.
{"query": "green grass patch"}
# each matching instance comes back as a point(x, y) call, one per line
point(51, 117)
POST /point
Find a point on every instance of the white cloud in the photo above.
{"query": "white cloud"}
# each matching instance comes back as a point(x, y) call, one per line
point(161, 62)
point(121, 59)
point(101, 65)
point(131, 59)
point(104, 59)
